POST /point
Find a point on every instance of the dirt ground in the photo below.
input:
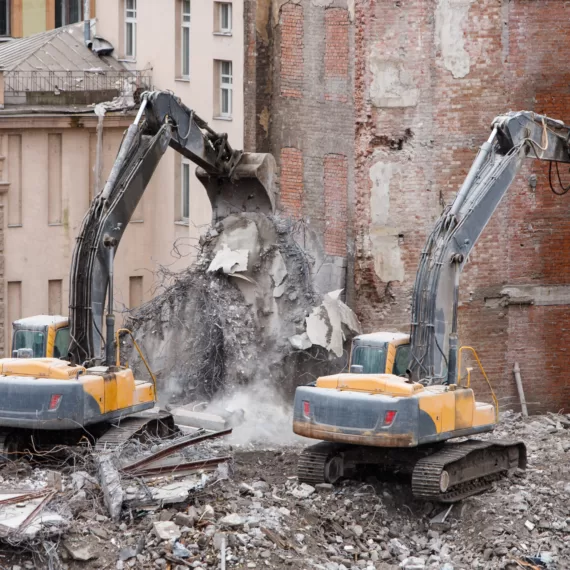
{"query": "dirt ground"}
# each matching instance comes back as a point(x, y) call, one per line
point(268, 520)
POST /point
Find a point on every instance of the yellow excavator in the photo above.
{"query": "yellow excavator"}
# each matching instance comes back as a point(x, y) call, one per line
point(65, 381)
point(404, 396)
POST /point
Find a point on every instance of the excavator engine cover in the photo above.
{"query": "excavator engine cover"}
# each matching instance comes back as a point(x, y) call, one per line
point(249, 189)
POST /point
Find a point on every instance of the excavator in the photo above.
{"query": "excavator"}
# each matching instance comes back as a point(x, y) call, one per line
point(65, 383)
point(406, 396)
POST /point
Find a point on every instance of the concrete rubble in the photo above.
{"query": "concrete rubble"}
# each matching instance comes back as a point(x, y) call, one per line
point(249, 309)
point(261, 517)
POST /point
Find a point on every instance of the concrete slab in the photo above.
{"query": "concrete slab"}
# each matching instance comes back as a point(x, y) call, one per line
point(185, 417)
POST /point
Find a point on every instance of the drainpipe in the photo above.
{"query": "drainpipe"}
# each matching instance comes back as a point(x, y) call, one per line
point(87, 23)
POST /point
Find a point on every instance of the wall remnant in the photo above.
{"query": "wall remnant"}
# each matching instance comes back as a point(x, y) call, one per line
point(450, 21)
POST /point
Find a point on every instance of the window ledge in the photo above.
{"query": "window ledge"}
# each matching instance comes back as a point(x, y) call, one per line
point(182, 223)
point(56, 224)
point(136, 221)
point(183, 79)
point(220, 118)
point(224, 34)
point(15, 225)
point(127, 60)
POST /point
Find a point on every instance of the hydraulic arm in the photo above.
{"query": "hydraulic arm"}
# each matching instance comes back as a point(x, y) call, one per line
point(514, 136)
point(235, 182)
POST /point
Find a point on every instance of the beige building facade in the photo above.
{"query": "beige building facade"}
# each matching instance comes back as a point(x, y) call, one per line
point(196, 50)
point(48, 145)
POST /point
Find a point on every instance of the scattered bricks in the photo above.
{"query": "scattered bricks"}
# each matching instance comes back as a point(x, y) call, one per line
point(291, 50)
point(292, 181)
point(336, 198)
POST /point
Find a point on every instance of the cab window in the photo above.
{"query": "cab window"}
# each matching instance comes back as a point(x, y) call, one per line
point(61, 344)
point(401, 360)
point(30, 339)
point(371, 358)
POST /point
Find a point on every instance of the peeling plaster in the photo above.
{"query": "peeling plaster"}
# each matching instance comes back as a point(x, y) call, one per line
point(276, 9)
point(264, 118)
point(350, 6)
point(384, 240)
point(392, 85)
point(450, 21)
point(262, 10)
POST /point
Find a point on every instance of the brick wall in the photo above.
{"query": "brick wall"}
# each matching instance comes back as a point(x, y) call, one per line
point(425, 95)
point(336, 54)
point(299, 63)
point(291, 50)
point(292, 182)
point(406, 91)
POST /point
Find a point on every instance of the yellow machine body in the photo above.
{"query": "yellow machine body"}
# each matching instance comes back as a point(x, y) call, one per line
point(375, 407)
point(48, 393)
point(42, 336)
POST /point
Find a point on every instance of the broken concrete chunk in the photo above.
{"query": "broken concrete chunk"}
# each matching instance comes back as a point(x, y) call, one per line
point(229, 261)
point(300, 341)
point(82, 552)
point(303, 491)
point(232, 520)
point(278, 270)
point(413, 563)
point(166, 530)
point(186, 417)
point(110, 481)
point(278, 291)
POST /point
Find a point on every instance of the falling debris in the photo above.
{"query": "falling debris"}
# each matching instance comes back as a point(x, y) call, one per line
point(210, 333)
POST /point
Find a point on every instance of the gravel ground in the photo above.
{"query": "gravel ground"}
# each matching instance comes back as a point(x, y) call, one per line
point(267, 520)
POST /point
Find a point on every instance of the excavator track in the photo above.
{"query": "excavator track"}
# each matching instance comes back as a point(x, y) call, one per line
point(317, 464)
point(461, 470)
point(134, 426)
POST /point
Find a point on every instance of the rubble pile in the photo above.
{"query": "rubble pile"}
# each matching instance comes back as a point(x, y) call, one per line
point(246, 310)
point(256, 515)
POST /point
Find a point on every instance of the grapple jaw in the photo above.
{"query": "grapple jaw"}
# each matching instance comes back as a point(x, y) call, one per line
point(251, 188)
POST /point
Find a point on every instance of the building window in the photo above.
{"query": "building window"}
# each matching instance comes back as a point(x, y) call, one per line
point(226, 80)
point(225, 18)
point(185, 191)
point(4, 17)
point(185, 39)
point(68, 12)
point(130, 29)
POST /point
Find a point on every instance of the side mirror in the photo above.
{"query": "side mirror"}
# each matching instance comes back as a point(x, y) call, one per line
point(356, 369)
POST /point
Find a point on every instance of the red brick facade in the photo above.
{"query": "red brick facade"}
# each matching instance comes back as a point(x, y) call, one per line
point(335, 187)
point(406, 91)
point(292, 50)
point(336, 53)
point(292, 182)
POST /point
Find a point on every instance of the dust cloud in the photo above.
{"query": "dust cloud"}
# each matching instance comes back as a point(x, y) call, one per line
point(267, 419)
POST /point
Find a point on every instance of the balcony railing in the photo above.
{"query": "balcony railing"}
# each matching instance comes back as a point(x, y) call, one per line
point(71, 87)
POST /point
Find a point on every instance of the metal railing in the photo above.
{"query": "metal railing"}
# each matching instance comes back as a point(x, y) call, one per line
point(92, 80)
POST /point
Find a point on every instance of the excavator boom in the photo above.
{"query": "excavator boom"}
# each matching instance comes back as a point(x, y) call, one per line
point(235, 182)
point(514, 136)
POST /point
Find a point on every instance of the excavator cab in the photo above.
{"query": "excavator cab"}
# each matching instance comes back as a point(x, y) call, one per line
point(42, 336)
point(380, 353)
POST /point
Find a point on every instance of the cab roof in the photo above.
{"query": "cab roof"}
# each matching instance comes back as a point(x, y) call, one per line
point(382, 337)
point(42, 321)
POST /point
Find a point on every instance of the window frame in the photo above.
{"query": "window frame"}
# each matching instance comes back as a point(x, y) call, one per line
point(185, 192)
point(228, 30)
point(226, 86)
point(131, 20)
point(8, 20)
point(185, 25)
